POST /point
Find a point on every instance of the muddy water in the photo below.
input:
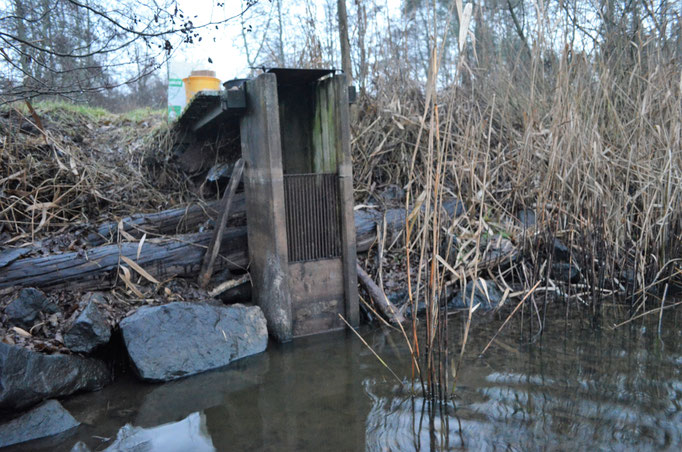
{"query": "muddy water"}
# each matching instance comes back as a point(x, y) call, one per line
point(572, 389)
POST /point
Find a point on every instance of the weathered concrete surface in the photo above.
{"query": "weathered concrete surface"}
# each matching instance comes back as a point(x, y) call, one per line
point(47, 419)
point(181, 339)
point(28, 377)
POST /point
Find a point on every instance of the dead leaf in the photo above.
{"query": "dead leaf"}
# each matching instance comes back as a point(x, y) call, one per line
point(139, 247)
point(122, 231)
point(40, 206)
point(21, 332)
point(125, 276)
point(140, 270)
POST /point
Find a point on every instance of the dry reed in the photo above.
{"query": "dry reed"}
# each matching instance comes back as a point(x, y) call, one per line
point(592, 148)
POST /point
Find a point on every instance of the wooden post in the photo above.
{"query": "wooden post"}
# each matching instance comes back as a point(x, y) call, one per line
point(214, 246)
point(264, 187)
point(345, 168)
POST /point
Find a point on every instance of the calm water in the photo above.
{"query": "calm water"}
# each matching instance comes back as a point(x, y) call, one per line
point(573, 389)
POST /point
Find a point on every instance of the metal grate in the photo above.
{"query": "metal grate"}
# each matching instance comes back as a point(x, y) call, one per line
point(312, 208)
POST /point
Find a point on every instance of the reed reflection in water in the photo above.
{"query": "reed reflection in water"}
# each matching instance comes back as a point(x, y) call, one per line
point(591, 391)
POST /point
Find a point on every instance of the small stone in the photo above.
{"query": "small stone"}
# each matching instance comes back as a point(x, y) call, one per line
point(526, 217)
point(47, 419)
point(499, 247)
point(449, 240)
point(563, 271)
point(487, 303)
point(89, 330)
point(25, 309)
point(560, 250)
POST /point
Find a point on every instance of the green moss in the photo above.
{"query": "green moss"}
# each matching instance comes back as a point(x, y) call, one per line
point(64, 110)
point(140, 114)
point(69, 112)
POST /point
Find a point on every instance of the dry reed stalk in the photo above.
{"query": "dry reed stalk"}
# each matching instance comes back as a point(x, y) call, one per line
point(591, 146)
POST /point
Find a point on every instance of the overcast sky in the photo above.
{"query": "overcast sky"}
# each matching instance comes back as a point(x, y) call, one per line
point(224, 46)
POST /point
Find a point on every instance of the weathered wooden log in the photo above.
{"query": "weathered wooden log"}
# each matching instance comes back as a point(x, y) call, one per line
point(381, 301)
point(96, 268)
point(173, 221)
point(367, 220)
point(179, 255)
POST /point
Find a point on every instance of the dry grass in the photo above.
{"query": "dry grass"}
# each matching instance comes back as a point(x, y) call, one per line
point(593, 148)
point(77, 166)
point(596, 175)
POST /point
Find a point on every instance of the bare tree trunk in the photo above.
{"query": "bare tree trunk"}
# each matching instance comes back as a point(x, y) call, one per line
point(280, 42)
point(20, 13)
point(362, 32)
point(345, 44)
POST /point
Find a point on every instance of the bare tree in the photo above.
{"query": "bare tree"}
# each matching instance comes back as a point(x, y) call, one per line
point(75, 47)
point(343, 37)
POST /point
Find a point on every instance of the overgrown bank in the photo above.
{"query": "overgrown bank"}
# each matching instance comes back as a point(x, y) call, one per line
point(578, 195)
point(557, 206)
point(592, 155)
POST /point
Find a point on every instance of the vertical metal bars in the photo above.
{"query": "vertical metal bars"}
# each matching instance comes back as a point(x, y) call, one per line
point(312, 214)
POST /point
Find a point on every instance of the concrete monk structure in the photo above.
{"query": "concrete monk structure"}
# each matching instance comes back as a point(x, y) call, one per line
point(295, 141)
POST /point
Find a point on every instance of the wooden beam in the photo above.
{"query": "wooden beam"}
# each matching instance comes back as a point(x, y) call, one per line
point(214, 246)
point(264, 184)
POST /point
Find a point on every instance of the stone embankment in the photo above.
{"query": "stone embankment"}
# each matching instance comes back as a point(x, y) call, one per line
point(162, 343)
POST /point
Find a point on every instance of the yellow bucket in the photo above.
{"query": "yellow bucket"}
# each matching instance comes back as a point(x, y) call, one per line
point(200, 81)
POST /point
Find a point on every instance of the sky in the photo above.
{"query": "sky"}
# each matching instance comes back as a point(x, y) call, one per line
point(224, 46)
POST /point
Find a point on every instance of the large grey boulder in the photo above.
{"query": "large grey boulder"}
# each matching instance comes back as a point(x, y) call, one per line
point(28, 377)
point(181, 339)
point(47, 419)
point(24, 310)
point(89, 330)
point(486, 294)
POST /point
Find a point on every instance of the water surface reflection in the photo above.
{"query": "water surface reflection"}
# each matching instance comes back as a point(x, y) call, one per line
point(584, 390)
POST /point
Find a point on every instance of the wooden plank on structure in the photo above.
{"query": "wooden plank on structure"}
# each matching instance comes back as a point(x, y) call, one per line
point(214, 246)
point(263, 183)
point(345, 165)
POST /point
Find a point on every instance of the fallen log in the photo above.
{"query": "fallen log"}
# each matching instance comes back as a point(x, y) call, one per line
point(97, 268)
point(179, 255)
point(173, 221)
point(185, 219)
point(387, 308)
